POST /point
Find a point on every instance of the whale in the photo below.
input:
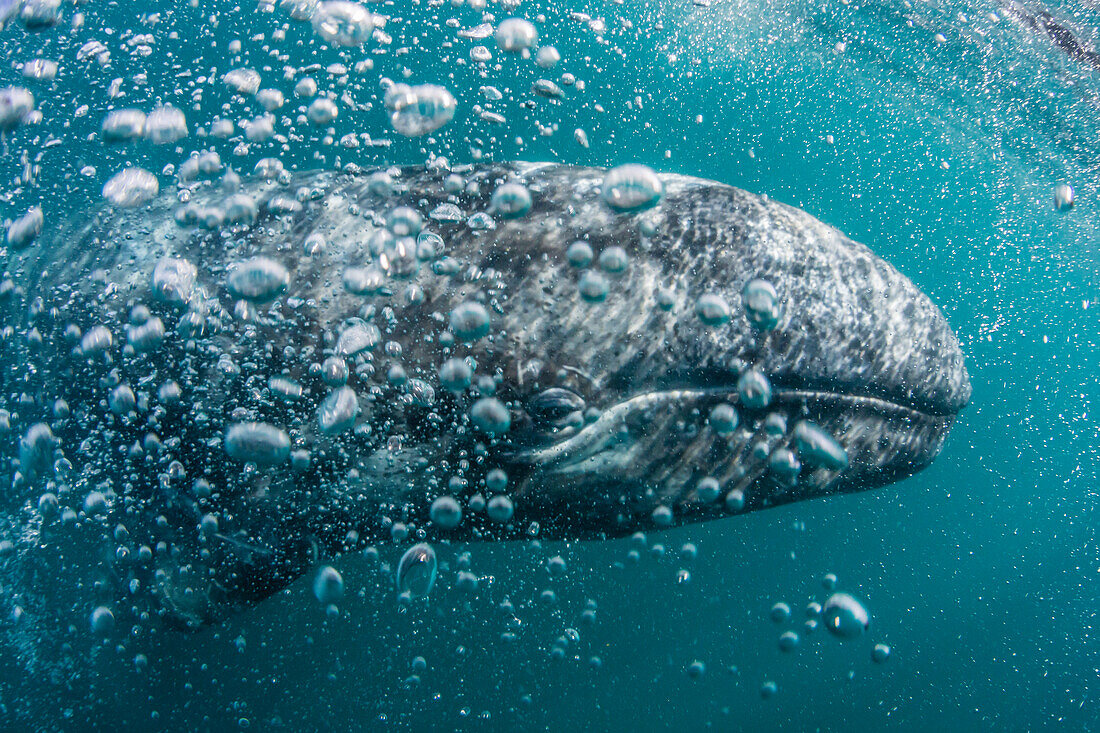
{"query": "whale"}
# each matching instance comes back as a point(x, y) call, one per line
point(210, 392)
point(1057, 32)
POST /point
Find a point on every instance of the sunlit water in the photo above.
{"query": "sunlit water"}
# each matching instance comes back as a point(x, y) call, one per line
point(935, 132)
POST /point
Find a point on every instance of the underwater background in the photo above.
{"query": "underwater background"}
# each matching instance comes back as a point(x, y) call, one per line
point(935, 132)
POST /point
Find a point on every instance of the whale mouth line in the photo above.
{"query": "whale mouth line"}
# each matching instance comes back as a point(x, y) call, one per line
point(883, 406)
point(574, 446)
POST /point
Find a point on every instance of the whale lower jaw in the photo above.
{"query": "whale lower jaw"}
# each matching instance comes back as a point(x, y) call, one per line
point(653, 449)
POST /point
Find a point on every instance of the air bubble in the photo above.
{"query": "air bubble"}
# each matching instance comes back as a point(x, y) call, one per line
point(500, 509)
point(631, 187)
point(761, 304)
point(131, 187)
point(328, 586)
point(258, 279)
point(753, 390)
point(511, 201)
point(419, 110)
point(260, 443)
point(446, 512)
point(470, 321)
point(416, 571)
point(712, 309)
point(515, 35)
point(343, 23)
point(845, 616)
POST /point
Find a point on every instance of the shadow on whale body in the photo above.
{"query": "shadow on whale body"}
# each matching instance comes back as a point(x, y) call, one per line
point(200, 413)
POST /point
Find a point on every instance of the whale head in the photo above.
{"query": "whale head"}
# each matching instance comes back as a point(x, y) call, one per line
point(744, 355)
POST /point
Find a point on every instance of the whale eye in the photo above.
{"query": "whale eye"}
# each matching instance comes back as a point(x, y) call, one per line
point(553, 407)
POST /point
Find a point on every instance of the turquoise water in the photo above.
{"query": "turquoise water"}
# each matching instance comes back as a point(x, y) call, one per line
point(981, 573)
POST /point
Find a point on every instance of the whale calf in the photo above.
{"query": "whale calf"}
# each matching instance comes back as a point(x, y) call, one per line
point(207, 393)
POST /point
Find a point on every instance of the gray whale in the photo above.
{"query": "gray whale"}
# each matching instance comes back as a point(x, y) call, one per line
point(204, 396)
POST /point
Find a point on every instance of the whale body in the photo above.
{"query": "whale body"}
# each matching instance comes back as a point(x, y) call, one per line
point(205, 395)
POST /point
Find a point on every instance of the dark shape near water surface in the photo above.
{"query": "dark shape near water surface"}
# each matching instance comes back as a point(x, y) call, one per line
point(190, 454)
point(1060, 35)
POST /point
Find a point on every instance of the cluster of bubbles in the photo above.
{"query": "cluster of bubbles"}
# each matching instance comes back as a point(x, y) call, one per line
point(843, 615)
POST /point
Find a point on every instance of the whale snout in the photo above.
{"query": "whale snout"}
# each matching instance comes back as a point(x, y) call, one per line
point(849, 323)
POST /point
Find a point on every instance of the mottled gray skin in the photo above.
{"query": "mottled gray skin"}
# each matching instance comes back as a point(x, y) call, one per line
point(859, 350)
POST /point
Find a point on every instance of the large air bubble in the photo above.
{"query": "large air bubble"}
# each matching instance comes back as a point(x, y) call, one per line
point(343, 23)
point(418, 110)
point(257, 442)
point(631, 187)
point(845, 616)
point(338, 412)
point(416, 571)
point(258, 279)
